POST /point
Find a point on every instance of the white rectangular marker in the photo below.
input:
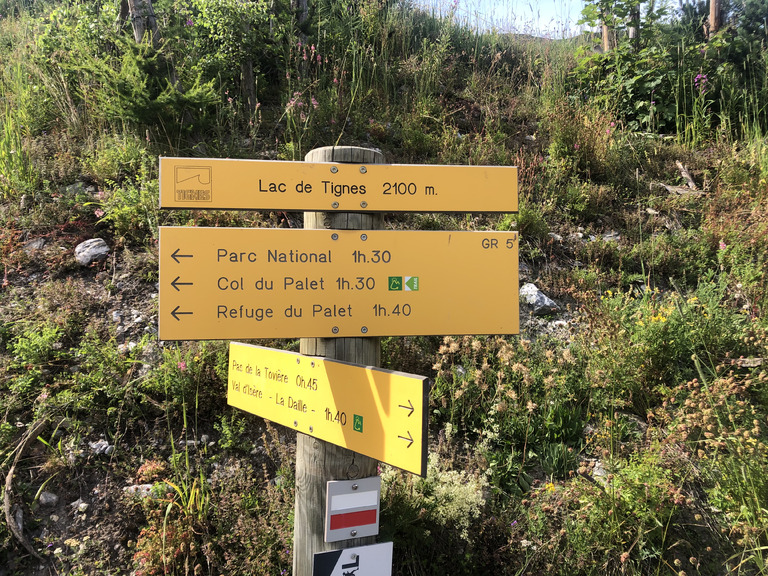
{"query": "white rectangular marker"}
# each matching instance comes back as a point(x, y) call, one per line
point(352, 508)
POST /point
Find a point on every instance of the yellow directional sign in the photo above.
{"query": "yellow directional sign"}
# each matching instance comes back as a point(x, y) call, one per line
point(211, 183)
point(371, 411)
point(246, 283)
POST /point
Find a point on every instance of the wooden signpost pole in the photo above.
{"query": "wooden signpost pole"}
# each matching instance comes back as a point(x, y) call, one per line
point(317, 461)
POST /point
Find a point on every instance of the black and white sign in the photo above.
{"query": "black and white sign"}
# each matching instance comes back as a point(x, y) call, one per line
point(374, 560)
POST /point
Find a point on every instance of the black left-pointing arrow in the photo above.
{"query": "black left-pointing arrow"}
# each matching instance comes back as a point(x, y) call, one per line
point(409, 438)
point(176, 283)
point(175, 313)
point(176, 255)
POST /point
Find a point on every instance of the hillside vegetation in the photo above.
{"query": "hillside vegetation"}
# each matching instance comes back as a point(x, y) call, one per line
point(624, 432)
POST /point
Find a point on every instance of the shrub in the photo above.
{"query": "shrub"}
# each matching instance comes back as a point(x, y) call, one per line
point(638, 345)
point(434, 520)
point(524, 401)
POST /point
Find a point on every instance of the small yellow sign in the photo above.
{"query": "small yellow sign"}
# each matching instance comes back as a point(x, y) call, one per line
point(371, 411)
point(212, 183)
point(246, 283)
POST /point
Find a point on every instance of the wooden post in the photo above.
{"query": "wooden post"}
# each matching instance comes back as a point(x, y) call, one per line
point(608, 38)
point(318, 461)
point(143, 19)
point(715, 18)
point(634, 27)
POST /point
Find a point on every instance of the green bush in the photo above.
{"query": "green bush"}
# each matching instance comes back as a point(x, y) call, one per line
point(117, 158)
point(618, 524)
point(434, 521)
point(524, 402)
point(132, 210)
point(638, 345)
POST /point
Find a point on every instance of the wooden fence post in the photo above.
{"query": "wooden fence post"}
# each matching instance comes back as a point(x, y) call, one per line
point(318, 461)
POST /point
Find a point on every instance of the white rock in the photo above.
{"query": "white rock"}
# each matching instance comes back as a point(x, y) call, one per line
point(101, 447)
point(90, 251)
point(48, 499)
point(34, 245)
point(540, 303)
point(140, 490)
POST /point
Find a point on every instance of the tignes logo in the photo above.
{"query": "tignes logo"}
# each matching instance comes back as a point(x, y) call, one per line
point(193, 184)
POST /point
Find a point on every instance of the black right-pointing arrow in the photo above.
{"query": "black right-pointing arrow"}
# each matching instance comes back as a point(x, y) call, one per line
point(175, 313)
point(176, 255)
point(410, 407)
point(176, 283)
point(409, 438)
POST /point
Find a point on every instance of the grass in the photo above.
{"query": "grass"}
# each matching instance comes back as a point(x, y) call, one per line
point(625, 435)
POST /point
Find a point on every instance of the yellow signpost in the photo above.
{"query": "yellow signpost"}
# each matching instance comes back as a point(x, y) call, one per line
point(245, 283)
point(208, 183)
point(374, 412)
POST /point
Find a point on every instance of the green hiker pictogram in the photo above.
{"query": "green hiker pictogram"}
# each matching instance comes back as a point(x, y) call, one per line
point(395, 282)
point(357, 423)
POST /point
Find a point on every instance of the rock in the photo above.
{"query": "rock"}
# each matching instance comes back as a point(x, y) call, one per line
point(125, 348)
point(599, 470)
point(101, 447)
point(48, 499)
point(611, 237)
point(524, 270)
point(540, 303)
point(140, 490)
point(34, 245)
point(76, 189)
point(555, 237)
point(90, 251)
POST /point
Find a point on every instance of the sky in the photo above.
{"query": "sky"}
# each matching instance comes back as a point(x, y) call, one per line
point(548, 18)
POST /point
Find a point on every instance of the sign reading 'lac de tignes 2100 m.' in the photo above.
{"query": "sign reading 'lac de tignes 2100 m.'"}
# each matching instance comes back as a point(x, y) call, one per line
point(209, 183)
point(235, 283)
point(375, 412)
